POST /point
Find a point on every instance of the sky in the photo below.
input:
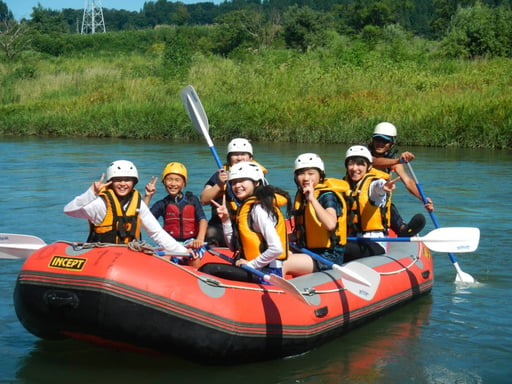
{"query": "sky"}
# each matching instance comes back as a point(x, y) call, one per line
point(23, 8)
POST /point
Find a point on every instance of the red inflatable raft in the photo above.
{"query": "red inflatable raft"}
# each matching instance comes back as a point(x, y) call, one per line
point(129, 299)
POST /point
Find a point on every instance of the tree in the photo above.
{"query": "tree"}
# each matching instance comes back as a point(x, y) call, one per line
point(304, 28)
point(13, 38)
point(479, 31)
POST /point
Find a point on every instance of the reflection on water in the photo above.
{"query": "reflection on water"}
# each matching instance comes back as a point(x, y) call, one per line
point(382, 349)
point(458, 334)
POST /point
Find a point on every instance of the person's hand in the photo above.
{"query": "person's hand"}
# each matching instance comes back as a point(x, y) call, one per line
point(390, 184)
point(239, 262)
point(405, 157)
point(151, 187)
point(430, 205)
point(193, 243)
point(97, 186)
point(223, 177)
point(309, 191)
point(222, 209)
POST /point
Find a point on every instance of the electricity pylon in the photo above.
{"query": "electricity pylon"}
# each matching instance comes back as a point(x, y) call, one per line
point(92, 20)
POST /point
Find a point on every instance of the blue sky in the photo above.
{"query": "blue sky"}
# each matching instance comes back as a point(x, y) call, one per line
point(23, 8)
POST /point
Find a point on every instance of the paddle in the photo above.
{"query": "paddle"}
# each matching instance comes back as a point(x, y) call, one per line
point(344, 271)
point(270, 278)
point(197, 115)
point(351, 274)
point(15, 246)
point(461, 276)
point(448, 239)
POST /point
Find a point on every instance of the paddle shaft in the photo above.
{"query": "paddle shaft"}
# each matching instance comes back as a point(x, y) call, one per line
point(436, 224)
point(345, 272)
point(270, 278)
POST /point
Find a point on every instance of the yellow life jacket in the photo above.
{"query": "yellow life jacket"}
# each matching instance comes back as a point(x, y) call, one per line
point(308, 230)
point(363, 215)
point(119, 225)
point(252, 243)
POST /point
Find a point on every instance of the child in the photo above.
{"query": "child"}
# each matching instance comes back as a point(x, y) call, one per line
point(260, 235)
point(116, 212)
point(320, 216)
point(215, 188)
point(183, 215)
point(366, 202)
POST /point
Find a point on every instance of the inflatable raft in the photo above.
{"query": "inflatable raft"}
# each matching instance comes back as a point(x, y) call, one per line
point(129, 299)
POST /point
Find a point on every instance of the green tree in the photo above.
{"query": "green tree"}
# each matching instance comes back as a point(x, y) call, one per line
point(239, 28)
point(304, 28)
point(479, 31)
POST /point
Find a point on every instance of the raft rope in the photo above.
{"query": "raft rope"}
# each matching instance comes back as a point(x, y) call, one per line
point(147, 248)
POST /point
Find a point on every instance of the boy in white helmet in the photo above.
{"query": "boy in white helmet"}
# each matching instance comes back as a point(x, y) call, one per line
point(238, 150)
point(385, 157)
point(116, 211)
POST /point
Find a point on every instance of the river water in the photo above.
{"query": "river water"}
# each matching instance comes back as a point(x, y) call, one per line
point(458, 334)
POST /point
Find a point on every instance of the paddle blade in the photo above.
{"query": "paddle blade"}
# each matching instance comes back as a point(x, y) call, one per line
point(286, 286)
point(195, 111)
point(372, 277)
point(15, 246)
point(350, 274)
point(451, 239)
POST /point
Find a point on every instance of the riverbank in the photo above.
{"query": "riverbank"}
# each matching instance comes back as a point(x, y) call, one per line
point(333, 95)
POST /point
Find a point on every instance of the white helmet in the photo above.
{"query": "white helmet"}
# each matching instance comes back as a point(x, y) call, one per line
point(309, 160)
point(122, 168)
point(385, 130)
point(246, 170)
point(358, 151)
point(239, 145)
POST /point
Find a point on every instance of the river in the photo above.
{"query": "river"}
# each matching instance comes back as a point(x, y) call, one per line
point(458, 334)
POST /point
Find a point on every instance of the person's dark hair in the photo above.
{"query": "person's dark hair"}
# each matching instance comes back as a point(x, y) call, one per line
point(265, 194)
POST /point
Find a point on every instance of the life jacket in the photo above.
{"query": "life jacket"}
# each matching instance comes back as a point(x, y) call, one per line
point(180, 218)
point(308, 230)
point(119, 225)
point(252, 244)
point(363, 214)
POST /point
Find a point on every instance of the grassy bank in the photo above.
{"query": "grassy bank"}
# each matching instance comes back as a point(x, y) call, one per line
point(333, 95)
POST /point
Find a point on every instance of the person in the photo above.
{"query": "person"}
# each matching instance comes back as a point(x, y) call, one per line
point(116, 211)
point(238, 150)
point(366, 203)
point(384, 153)
point(259, 237)
point(320, 216)
point(182, 213)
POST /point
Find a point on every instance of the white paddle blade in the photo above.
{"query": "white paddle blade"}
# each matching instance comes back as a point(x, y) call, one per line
point(286, 286)
point(366, 292)
point(451, 239)
point(15, 246)
point(350, 274)
point(195, 111)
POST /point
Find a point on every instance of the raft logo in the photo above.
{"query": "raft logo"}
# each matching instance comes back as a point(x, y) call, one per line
point(65, 262)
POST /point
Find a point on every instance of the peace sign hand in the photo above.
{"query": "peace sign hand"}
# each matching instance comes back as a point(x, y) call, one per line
point(150, 187)
point(222, 210)
point(97, 186)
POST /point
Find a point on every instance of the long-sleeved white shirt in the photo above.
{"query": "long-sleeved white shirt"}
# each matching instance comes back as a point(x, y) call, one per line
point(92, 207)
point(265, 224)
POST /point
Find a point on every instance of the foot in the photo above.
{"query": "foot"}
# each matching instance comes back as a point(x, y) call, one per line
point(414, 226)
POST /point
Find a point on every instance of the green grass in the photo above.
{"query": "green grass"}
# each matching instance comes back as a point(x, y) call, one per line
point(332, 95)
